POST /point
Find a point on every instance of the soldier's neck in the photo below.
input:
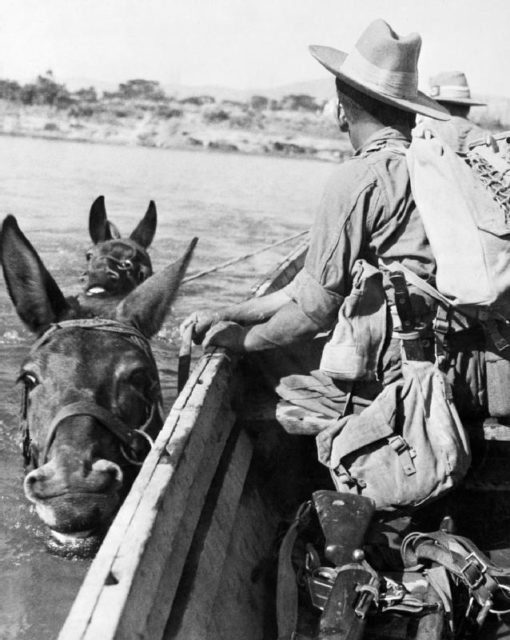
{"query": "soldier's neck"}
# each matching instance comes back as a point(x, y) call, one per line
point(362, 130)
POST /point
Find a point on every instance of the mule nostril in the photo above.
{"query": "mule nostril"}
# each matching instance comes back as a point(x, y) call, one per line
point(113, 275)
point(30, 483)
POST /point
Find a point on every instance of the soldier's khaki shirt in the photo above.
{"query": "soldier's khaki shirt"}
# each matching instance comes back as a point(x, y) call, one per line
point(367, 211)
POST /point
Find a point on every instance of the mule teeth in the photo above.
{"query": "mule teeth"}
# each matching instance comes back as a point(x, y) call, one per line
point(94, 291)
point(65, 538)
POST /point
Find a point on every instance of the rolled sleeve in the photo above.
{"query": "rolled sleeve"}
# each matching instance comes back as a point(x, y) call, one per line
point(316, 301)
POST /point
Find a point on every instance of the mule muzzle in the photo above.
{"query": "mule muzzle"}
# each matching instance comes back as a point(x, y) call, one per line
point(54, 480)
point(75, 499)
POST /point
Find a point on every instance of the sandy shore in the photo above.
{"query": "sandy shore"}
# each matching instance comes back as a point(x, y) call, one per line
point(225, 127)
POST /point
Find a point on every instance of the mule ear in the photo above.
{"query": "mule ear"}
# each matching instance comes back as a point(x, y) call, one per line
point(146, 228)
point(36, 296)
point(147, 305)
point(99, 228)
point(113, 230)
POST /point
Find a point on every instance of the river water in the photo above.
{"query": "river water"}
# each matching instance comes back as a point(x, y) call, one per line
point(233, 203)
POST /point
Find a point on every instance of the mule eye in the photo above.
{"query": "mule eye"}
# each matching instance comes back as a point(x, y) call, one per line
point(137, 378)
point(88, 255)
point(29, 380)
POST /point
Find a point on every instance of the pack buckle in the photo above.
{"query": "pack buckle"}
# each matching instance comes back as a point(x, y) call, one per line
point(474, 562)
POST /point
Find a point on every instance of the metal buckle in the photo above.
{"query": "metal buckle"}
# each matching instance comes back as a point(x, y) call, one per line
point(472, 560)
point(320, 583)
point(398, 444)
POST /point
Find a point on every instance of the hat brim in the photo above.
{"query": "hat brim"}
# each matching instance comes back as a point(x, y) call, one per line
point(333, 59)
point(465, 101)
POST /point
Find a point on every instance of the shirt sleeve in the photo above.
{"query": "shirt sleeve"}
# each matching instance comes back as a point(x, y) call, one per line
point(337, 239)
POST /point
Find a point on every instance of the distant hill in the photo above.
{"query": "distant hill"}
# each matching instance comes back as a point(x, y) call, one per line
point(75, 83)
point(219, 93)
point(322, 89)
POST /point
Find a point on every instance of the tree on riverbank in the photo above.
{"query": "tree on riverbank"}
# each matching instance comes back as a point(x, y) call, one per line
point(45, 90)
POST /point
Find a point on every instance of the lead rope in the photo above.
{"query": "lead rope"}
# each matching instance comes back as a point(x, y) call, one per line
point(228, 263)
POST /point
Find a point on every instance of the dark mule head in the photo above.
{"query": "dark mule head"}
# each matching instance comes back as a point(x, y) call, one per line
point(115, 265)
point(91, 394)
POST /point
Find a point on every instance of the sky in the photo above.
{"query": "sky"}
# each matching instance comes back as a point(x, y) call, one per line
point(242, 44)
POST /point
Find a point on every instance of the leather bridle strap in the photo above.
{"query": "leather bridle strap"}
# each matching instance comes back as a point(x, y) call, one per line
point(89, 408)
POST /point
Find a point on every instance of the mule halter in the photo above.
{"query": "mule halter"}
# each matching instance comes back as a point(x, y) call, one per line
point(127, 436)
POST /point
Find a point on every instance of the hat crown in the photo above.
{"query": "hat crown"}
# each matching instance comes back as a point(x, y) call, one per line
point(385, 61)
point(451, 84)
point(384, 48)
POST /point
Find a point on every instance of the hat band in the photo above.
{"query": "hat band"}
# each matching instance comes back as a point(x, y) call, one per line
point(395, 84)
point(450, 91)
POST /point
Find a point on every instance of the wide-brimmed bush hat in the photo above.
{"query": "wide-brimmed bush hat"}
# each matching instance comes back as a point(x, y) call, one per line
point(383, 65)
point(452, 87)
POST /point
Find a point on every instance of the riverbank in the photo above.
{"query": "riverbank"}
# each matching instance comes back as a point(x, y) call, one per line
point(225, 126)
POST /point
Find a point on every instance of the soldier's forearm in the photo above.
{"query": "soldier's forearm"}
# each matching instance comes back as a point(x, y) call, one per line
point(255, 310)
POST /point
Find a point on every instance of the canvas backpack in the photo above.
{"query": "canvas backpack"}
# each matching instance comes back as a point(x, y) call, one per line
point(464, 204)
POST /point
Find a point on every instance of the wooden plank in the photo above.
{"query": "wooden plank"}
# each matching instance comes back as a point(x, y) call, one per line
point(196, 400)
point(163, 529)
point(244, 606)
point(204, 571)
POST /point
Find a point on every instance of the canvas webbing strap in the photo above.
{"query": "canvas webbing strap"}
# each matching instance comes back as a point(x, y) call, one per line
point(418, 282)
point(457, 319)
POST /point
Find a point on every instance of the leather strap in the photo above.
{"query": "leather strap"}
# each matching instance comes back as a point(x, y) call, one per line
point(88, 408)
point(286, 589)
point(85, 406)
point(402, 301)
point(460, 557)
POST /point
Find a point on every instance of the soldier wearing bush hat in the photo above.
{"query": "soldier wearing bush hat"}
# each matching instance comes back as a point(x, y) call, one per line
point(451, 89)
point(367, 211)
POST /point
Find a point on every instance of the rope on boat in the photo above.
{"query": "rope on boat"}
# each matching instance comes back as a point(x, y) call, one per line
point(228, 263)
